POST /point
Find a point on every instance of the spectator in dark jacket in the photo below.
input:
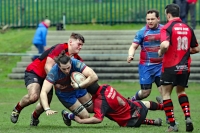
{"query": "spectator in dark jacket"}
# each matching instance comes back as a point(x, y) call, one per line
point(39, 39)
point(182, 4)
point(191, 6)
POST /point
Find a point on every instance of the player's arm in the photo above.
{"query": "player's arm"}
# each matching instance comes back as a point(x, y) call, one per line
point(131, 52)
point(91, 120)
point(49, 64)
point(43, 97)
point(91, 77)
point(194, 47)
point(163, 48)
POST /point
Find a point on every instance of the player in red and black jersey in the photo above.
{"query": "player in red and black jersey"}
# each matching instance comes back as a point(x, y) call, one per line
point(36, 73)
point(178, 41)
point(107, 102)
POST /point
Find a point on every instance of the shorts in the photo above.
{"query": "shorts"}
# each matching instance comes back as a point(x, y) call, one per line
point(136, 122)
point(147, 74)
point(174, 79)
point(69, 98)
point(31, 77)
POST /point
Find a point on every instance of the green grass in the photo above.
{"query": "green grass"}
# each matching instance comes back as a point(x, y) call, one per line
point(10, 96)
point(11, 91)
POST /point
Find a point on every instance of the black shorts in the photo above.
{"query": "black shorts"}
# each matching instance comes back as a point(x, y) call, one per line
point(137, 121)
point(174, 79)
point(31, 77)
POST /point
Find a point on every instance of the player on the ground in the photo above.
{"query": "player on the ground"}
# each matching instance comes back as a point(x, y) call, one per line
point(148, 38)
point(108, 102)
point(107, 99)
point(74, 100)
point(36, 72)
point(178, 41)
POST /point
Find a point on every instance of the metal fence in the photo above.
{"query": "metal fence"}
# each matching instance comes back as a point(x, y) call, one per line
point(20, 13)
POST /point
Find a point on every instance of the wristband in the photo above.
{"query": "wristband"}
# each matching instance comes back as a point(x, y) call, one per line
point(47, 109)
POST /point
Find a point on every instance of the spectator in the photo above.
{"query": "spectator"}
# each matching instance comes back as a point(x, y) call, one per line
point(178, 41)
point(191, 6)
point(39, 39)
point(182, 4)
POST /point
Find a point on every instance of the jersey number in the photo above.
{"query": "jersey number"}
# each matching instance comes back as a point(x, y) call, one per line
point(182, 43)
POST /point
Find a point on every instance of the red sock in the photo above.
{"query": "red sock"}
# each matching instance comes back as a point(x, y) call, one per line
point(169, 111)
point(184, 102)
point(18, 107)
point(35, 115)
point(148, 122)
point(155, 106)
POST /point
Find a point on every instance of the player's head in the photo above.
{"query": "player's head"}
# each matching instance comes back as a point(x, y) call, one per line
point(47, 22)
point(172, 11)
point(152, 18)
point(64, 62)
point(75, 43)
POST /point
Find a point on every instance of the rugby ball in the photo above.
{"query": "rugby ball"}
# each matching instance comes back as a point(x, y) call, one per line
point(77, 77)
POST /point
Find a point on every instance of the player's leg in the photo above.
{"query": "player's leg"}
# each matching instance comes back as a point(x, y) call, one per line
point(183, 99)
point(39, 110)
point(86, 101)
point(143, 113)
point(33, 87)
point(145, 83)
point(167, 82)
point(153, 105)
point(71, 102)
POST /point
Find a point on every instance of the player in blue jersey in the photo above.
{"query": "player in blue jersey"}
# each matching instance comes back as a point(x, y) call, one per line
point(76, 101)
point(148, 38)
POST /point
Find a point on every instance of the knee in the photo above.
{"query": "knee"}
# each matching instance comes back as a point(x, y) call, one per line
point(33, 98)
point(146, 93)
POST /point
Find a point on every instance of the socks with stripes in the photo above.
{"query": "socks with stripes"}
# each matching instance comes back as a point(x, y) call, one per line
point(184, 102)
point(155, 106)
point(169, 111)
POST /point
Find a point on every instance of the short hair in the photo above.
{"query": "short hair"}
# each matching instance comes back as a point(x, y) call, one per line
point(153, 11)
point(77, 36)
point(62, 58)
point(173, 9)
point(47, 21)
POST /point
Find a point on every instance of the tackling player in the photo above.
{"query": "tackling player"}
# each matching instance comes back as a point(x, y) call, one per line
point(36, 72)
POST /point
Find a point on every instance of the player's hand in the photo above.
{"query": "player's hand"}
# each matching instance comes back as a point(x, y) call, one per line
point(50, 112)
point(159, 53)
point(75, 85)
point(130, 58)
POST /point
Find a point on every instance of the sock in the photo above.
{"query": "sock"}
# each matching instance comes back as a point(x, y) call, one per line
point(169, 111)
point(148, 122)
point(184, 102)
point(35, 115)
point(18, 107)
point(137, 96)
point(155, 106)
point(70, 116)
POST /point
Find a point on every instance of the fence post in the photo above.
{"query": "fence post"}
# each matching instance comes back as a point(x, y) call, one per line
point(64, 18)
point(110, 12)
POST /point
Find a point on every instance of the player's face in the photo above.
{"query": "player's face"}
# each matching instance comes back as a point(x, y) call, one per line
point(65, 68)
point(76, 46)
point(152, 20)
